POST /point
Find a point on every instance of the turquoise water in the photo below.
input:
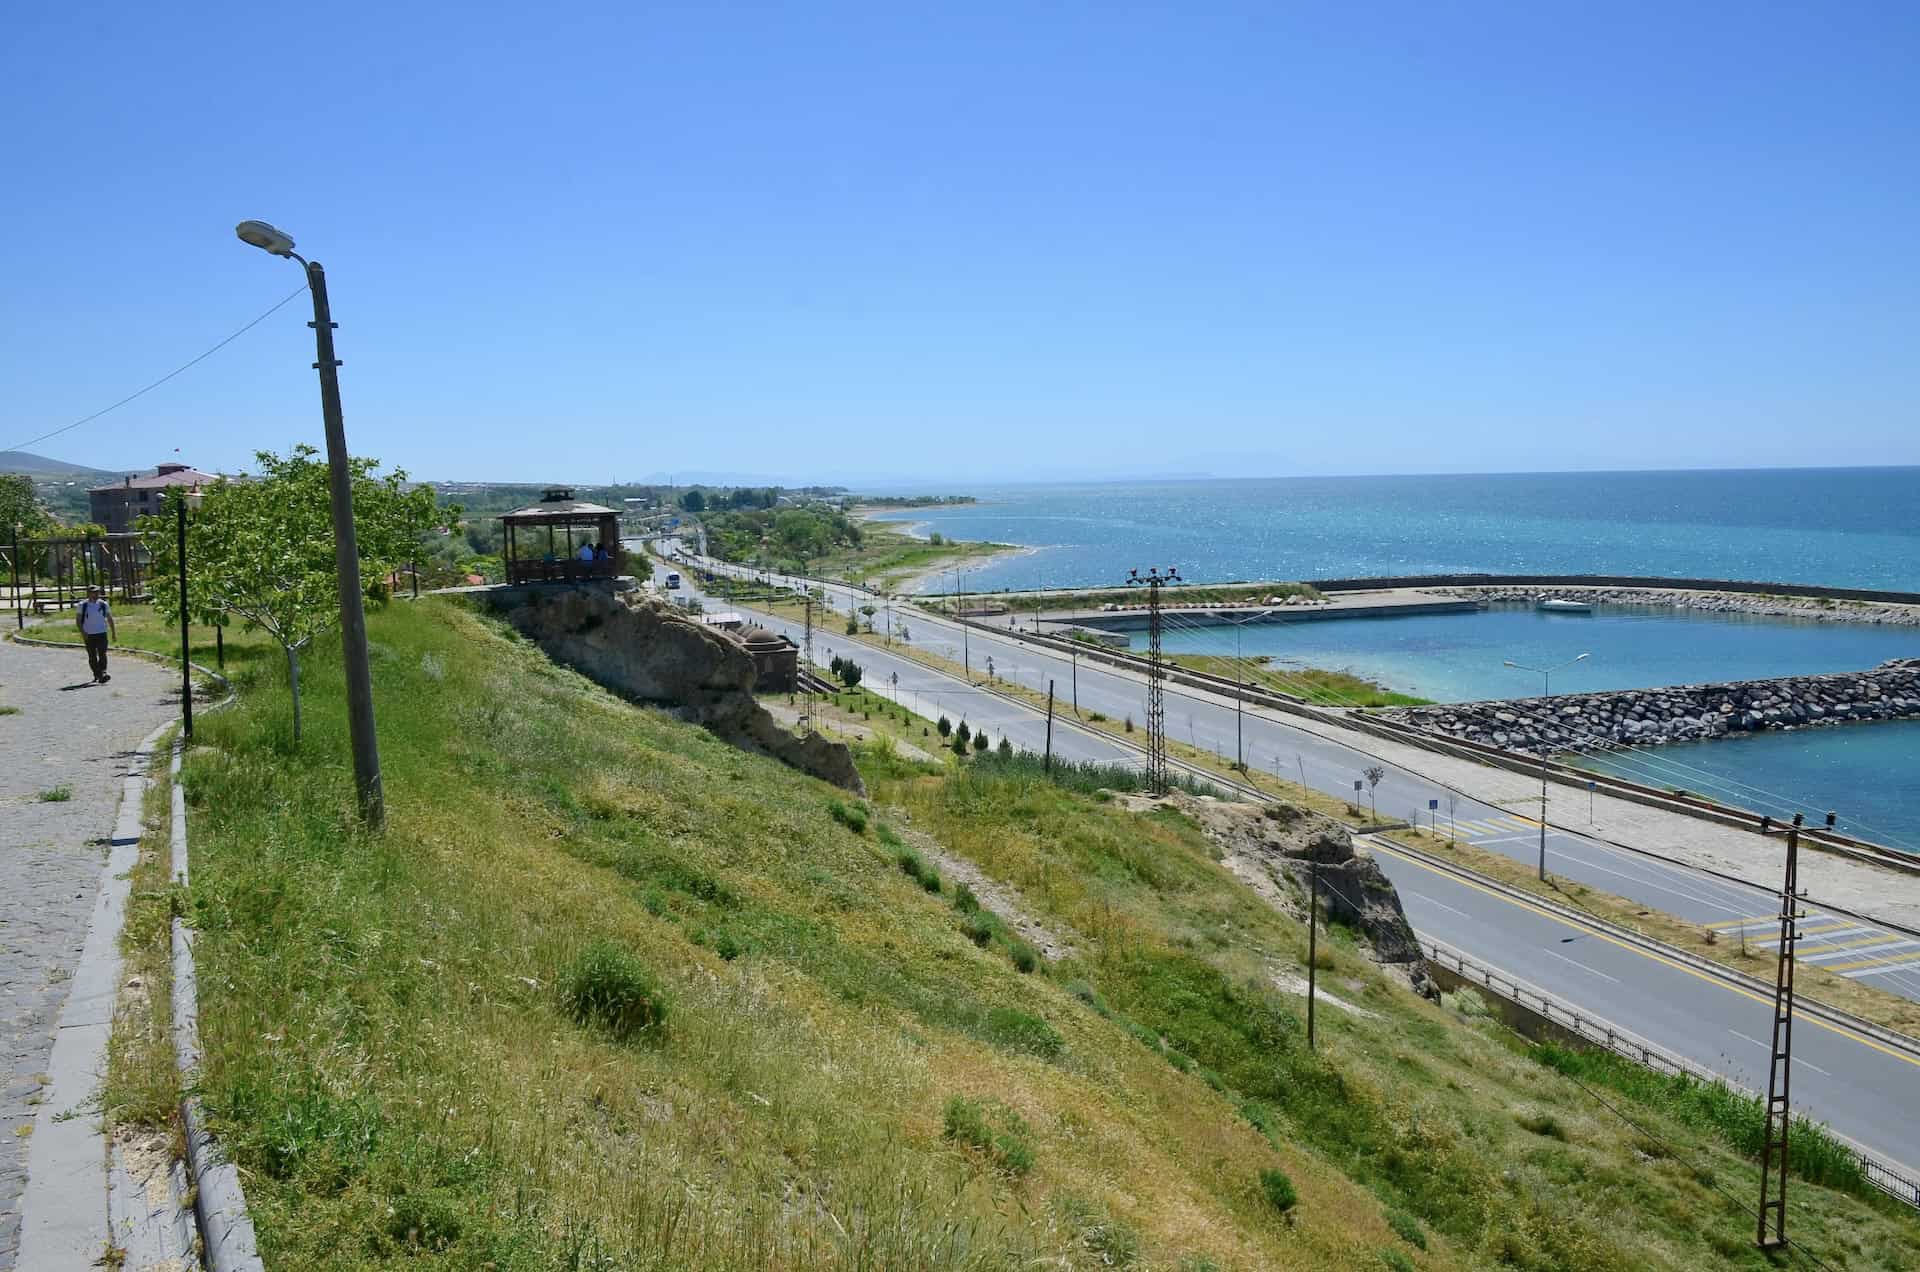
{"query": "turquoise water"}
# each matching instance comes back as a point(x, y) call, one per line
point(1849, 527)
point(1857, 527)
point(1868, 770)
point(1458, 657)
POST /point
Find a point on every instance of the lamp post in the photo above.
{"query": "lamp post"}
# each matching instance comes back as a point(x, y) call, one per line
point(1546, 677)
point(346, 552)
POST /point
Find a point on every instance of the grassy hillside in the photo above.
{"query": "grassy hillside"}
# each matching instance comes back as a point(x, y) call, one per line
point(610, 994)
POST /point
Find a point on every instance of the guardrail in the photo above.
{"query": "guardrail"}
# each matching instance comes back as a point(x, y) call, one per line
point(1893, 1180)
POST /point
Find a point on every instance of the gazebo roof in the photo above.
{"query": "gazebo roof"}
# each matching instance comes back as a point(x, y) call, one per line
point(558, 504)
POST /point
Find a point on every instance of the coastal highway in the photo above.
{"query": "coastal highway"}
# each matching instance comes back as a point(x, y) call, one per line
point(1866, 1090)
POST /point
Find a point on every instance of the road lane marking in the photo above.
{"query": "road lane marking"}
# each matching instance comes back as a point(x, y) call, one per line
point(1805, 1064)
point(1442, 904)
point(1749, 921)
point(1881, 971)
point(1895, 954)
point(1582, 966)
point(1663, 960)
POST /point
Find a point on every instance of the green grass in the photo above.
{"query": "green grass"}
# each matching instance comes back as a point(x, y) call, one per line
point(1314, 684)
point(415, 1050)
point(55, 795)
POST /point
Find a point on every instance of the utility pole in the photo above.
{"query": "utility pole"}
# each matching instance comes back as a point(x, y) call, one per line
point(1239, 694)
point(1773, 1151)
point(806, 662)
point(19, 611)
point(1049, 760)
point(1313, 943)
point(186, 667)
point(1153, 580)
point(1072, 654)
point(1546, 697)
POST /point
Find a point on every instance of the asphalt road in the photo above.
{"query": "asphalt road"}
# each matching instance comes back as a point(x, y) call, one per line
point(1865, 1090)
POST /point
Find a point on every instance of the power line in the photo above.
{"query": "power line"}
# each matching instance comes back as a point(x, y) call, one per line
point(185, 366)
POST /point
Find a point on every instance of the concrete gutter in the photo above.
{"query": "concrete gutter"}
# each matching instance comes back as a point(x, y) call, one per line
point(226, 1229)
point(63, 1221)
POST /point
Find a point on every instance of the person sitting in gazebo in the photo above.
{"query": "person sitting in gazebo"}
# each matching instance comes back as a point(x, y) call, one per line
point(586, 552)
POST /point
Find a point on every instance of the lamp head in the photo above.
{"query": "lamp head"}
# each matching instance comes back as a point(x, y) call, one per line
point(1582, 657)
point(265, 237)
point(1510, 663)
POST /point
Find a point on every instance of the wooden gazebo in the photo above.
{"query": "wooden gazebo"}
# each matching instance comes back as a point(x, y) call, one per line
point(544, 540)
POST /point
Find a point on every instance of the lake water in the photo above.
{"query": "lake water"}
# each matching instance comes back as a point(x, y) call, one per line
point(1856, 527)
point(1848, 527)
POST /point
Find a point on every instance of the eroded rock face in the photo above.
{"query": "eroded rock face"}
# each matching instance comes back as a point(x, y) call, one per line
point(647, 651)
point(1286, 839)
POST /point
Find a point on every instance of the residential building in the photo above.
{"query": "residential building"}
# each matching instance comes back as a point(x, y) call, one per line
point(120, 506)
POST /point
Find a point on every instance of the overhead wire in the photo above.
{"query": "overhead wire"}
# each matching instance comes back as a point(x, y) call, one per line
point(185, 366)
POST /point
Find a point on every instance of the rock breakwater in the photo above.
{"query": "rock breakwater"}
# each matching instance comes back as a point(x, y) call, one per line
point(1675, 713)
point(1819, 608)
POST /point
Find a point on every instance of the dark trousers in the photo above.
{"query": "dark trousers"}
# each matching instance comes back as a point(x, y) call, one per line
point(97, 653)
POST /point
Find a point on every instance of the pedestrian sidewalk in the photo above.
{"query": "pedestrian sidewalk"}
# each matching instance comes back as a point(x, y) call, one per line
point(65, 749)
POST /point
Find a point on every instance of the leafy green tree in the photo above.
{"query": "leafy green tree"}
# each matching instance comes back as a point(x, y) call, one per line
point(260, 551)
point(980, 740)
point(19, 506)
point(850, 673)
point(945, 726)
point(693, 501)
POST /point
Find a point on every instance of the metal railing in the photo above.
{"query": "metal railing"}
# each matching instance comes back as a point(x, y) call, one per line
point(1885, 1176)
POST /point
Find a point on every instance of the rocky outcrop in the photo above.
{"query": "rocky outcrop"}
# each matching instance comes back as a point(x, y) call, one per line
point(1285, 839)
point(643, 649)
point(1824, 609)
point(1676, 713)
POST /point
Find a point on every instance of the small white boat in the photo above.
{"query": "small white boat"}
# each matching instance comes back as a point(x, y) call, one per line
point(1563, 607)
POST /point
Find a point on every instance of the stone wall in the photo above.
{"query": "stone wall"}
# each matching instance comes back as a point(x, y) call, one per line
point(646, 650)
point(1676, 713)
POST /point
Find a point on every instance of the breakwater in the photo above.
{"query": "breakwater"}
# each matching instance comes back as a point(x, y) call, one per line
point(1675, 713)
point(1830, 608)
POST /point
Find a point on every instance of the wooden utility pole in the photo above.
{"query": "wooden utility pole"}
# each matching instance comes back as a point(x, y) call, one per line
point(1049, 759)
point(1773, 1152)
point(1313, 944)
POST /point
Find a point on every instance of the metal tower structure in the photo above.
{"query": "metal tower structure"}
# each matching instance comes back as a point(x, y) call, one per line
point(1153, 580)
point(1773, 1153)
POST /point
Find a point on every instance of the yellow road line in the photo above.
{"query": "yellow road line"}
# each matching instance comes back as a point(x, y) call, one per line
point(1757, 918)
point(1836, 925)
point(1829, 947)
point(1879, 960)
point(1863, 1040)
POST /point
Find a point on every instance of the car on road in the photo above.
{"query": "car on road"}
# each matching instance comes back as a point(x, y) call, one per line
point(673, 580)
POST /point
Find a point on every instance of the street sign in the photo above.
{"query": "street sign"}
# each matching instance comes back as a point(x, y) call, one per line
point(1432, 804)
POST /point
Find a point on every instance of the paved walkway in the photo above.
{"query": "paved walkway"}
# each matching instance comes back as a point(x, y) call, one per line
point(64, 733)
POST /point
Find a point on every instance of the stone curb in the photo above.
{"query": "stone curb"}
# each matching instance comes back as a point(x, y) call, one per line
point(65, 1219)
point(226, 1229)
point(1737, 979)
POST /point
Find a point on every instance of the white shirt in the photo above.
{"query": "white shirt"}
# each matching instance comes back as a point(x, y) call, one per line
point(93, 618)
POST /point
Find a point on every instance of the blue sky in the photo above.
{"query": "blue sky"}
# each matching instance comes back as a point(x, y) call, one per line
point(972, 242)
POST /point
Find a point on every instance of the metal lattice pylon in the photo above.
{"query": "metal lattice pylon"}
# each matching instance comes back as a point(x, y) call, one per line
point(1153, 580)
point(1773, 1153)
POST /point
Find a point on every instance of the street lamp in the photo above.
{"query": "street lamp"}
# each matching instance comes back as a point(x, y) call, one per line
point(1546, 677)
point(346, 552)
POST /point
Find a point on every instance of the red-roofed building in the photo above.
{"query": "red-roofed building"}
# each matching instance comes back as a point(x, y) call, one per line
point(118, 506)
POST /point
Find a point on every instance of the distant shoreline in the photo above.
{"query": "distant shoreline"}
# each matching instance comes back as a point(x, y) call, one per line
point(911, 584)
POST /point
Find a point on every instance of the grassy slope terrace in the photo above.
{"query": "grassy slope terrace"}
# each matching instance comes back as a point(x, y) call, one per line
point(611, 994)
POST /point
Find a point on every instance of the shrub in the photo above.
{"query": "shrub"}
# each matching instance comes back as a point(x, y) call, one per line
point(910, 864)
point(979, 928)
point(1024, 957)
point(1542, 1124)
point(852, 816)
point(964, 900)
point(1096, 716)
point(56, 795)
point(960, 745)
point(1407, 1228)
point(1015, 1029)
point(605, 985)
point(945, 726)
point(1129, 724)
point(1005, 749)
point(980, 741)
point(1394, 1261)
point(963, 732)
point(992, 1129)
point(1278, 1189)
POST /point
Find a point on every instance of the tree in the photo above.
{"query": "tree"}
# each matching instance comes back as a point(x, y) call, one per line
point(19, 506)
point(261, 550)
point(1005, 749)
point(980, 740)
point(945, 726)
point(850, 673)
point(1373, 773)
point(963, 732)
point(693, 501)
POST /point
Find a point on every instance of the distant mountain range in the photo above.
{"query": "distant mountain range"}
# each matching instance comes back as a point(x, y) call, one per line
point(40, 466)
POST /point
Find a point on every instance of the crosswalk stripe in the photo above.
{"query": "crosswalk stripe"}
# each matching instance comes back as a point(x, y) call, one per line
point(1906, 965)
point(1746, 922)
point(1855, 949)
point(1907, 951)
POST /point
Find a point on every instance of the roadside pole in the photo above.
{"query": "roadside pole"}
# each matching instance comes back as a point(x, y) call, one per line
point(186, 650)
point(1049, 759)
point(1313, 945)
point(19, 613)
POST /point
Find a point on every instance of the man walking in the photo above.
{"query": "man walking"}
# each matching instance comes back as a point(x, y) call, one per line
point(95, 621)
